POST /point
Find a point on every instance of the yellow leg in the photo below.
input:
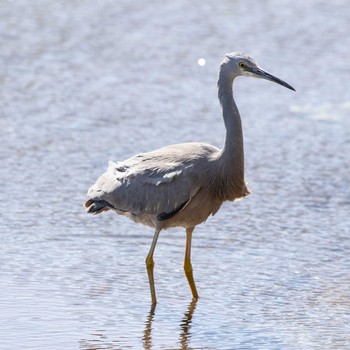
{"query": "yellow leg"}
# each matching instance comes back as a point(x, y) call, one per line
point(150, 266)
point(187, 263)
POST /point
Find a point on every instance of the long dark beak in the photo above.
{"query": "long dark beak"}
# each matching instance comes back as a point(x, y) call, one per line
point(260, 73)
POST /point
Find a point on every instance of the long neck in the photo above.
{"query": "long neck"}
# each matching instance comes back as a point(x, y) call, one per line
point(231, 158)
point(232, 155)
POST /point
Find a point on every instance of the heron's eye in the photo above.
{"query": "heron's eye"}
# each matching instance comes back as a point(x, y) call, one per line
point(242, 65)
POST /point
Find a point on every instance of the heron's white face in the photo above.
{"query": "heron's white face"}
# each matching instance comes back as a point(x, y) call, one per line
point(241, 64)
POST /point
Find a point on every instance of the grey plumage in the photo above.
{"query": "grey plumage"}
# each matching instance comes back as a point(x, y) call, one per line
point(181, 185)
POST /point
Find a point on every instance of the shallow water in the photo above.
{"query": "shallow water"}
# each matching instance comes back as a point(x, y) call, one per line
point(85, 82)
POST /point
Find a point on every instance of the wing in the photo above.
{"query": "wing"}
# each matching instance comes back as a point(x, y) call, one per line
point(158, 182)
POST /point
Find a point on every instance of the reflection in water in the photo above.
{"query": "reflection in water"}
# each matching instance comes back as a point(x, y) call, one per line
point(185, 326)
point(147, 338)
point(99, 339)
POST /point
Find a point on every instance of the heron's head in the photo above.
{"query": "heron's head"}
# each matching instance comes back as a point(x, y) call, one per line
point(240, 64)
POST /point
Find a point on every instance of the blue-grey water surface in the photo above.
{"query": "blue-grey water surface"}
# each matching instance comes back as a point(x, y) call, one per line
point(83, 82)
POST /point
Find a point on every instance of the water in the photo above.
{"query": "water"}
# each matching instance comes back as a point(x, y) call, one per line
point(85, 82)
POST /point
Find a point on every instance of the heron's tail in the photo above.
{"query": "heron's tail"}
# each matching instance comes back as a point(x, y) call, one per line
point(97, 206)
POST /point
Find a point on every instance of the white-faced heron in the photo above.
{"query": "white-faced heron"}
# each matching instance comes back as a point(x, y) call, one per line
point(181, 185)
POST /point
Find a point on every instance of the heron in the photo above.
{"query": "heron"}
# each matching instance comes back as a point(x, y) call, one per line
point(181, 185)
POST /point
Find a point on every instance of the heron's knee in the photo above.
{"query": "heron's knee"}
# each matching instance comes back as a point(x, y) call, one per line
point(149, 262)
point(188, 268)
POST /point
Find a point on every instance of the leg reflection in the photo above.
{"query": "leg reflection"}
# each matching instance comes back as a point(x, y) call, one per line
point(147, 333)
point(185, 325)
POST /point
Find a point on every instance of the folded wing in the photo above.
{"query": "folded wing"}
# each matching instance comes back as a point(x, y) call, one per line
point(160, 182)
